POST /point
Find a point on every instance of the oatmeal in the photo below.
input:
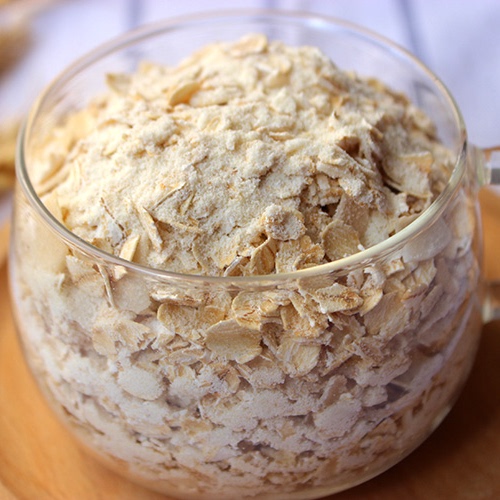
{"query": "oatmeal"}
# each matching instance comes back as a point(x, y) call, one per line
point(249, 158)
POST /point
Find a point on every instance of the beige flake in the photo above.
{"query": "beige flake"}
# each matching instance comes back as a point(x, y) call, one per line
point(298, 357)
point(150, 228)
point(129, 247)
point(182, 93)
point(127, 252)
point(336, 298)
point(389, 317)
point(262, 259)
point(188, 321)
point(282, 224)
point(140, 383)
point(113, 331)
point(232, 341)
point(339, 418)
point(250, 44)
point(298, 254)
point(251, 309)
point(119, 82)
point(339, 240)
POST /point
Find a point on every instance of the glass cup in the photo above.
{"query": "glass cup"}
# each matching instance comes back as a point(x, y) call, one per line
point(233, 403)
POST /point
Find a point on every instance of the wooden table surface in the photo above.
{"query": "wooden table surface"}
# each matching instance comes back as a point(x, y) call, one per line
point(40, 461)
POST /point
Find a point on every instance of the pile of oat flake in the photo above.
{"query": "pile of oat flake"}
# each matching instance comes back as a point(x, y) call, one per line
point(249, 158)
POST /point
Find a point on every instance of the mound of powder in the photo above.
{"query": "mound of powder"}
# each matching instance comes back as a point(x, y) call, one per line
point(248, 158)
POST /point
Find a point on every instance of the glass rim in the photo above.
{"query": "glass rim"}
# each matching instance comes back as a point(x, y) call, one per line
point(148, 31)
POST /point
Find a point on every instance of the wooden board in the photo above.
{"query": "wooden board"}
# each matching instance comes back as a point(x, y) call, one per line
point(40, 461)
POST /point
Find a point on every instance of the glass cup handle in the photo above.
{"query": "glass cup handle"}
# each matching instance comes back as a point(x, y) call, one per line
point(492, 164)
point(489, 174)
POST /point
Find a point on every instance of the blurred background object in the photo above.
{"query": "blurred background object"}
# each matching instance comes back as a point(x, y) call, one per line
point(8, 134)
